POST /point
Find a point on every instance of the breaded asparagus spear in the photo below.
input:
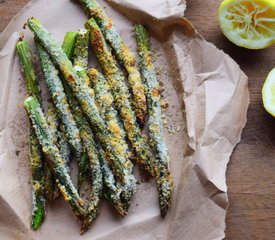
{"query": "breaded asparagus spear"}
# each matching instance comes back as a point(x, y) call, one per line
point(35, 151)
point(58, 132)
point(156, 129)
point(95, 174)
point(53, 155)
point(80, 54)
point(68, 47)
point(81, 46)
point(112, 191)
point(51, 189)
point(84, 95)
point(104, 102)
point(120, 92)
point(61, 103)
point(123, 53)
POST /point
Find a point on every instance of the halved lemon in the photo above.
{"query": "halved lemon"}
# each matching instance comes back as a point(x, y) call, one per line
point(268, 93)
point(248, 23)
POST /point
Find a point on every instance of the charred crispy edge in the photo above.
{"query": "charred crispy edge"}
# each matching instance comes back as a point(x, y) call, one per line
point(52, 153)
point(123, 53)
point(35, 151)
point(156, 129)
point(120, 93)
point(84, 95)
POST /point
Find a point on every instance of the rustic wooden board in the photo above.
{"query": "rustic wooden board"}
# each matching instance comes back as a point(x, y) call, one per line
point(250, 175)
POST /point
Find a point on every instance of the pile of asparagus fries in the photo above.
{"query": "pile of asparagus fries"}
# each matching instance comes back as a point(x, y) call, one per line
point(94, 117)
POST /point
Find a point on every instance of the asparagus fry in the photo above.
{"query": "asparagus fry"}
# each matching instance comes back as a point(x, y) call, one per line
point(80, 59)
point(80, 56)
point(60, 138)
point(120, 92)
point(104, 102)
point(96, 177)
point(84, 95)
point(56, 162)
point(85, 131)
point(51, 188)
point(156, 129)
point(68, 47)
point(123, 53)
point(60, 100)
point(35, 152)
point(113, 190)
point(38, 181)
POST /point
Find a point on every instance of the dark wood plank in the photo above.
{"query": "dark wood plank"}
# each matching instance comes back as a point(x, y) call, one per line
point(250, 175)
point(9, 8)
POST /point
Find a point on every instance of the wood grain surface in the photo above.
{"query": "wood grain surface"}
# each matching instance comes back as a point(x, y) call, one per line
point(250, 175)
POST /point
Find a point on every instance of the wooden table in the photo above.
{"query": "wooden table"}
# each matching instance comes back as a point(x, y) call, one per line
point(251, 171)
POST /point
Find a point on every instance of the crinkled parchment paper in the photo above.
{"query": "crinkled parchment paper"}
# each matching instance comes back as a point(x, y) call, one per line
point(208, 100)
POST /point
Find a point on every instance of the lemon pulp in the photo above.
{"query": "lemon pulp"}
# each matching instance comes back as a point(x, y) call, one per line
point(249, 24)
point(268, 93)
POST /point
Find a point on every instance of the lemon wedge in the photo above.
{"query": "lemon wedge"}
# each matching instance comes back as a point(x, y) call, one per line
point(268, 93)
point(248, 23)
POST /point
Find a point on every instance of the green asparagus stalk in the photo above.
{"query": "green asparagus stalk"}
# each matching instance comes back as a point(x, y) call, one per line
point(53, 155)
point(26, 58)
point(80, 59)
point(60, 100)
point(104, 102)
point(84, 95)
point(123, 53)
point(112, 191)
point(120, 92)
point(58, 131)
point(68, 47)
point(64, 147)
point(51, 188)
point(81, 45)
point(69, 44)
point(96, 177)
point(80, 55)
point(156, 129)
point(60, 140)
point(35, 152)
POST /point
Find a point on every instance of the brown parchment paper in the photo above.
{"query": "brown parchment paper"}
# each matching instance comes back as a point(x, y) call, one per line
point(208, 99)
